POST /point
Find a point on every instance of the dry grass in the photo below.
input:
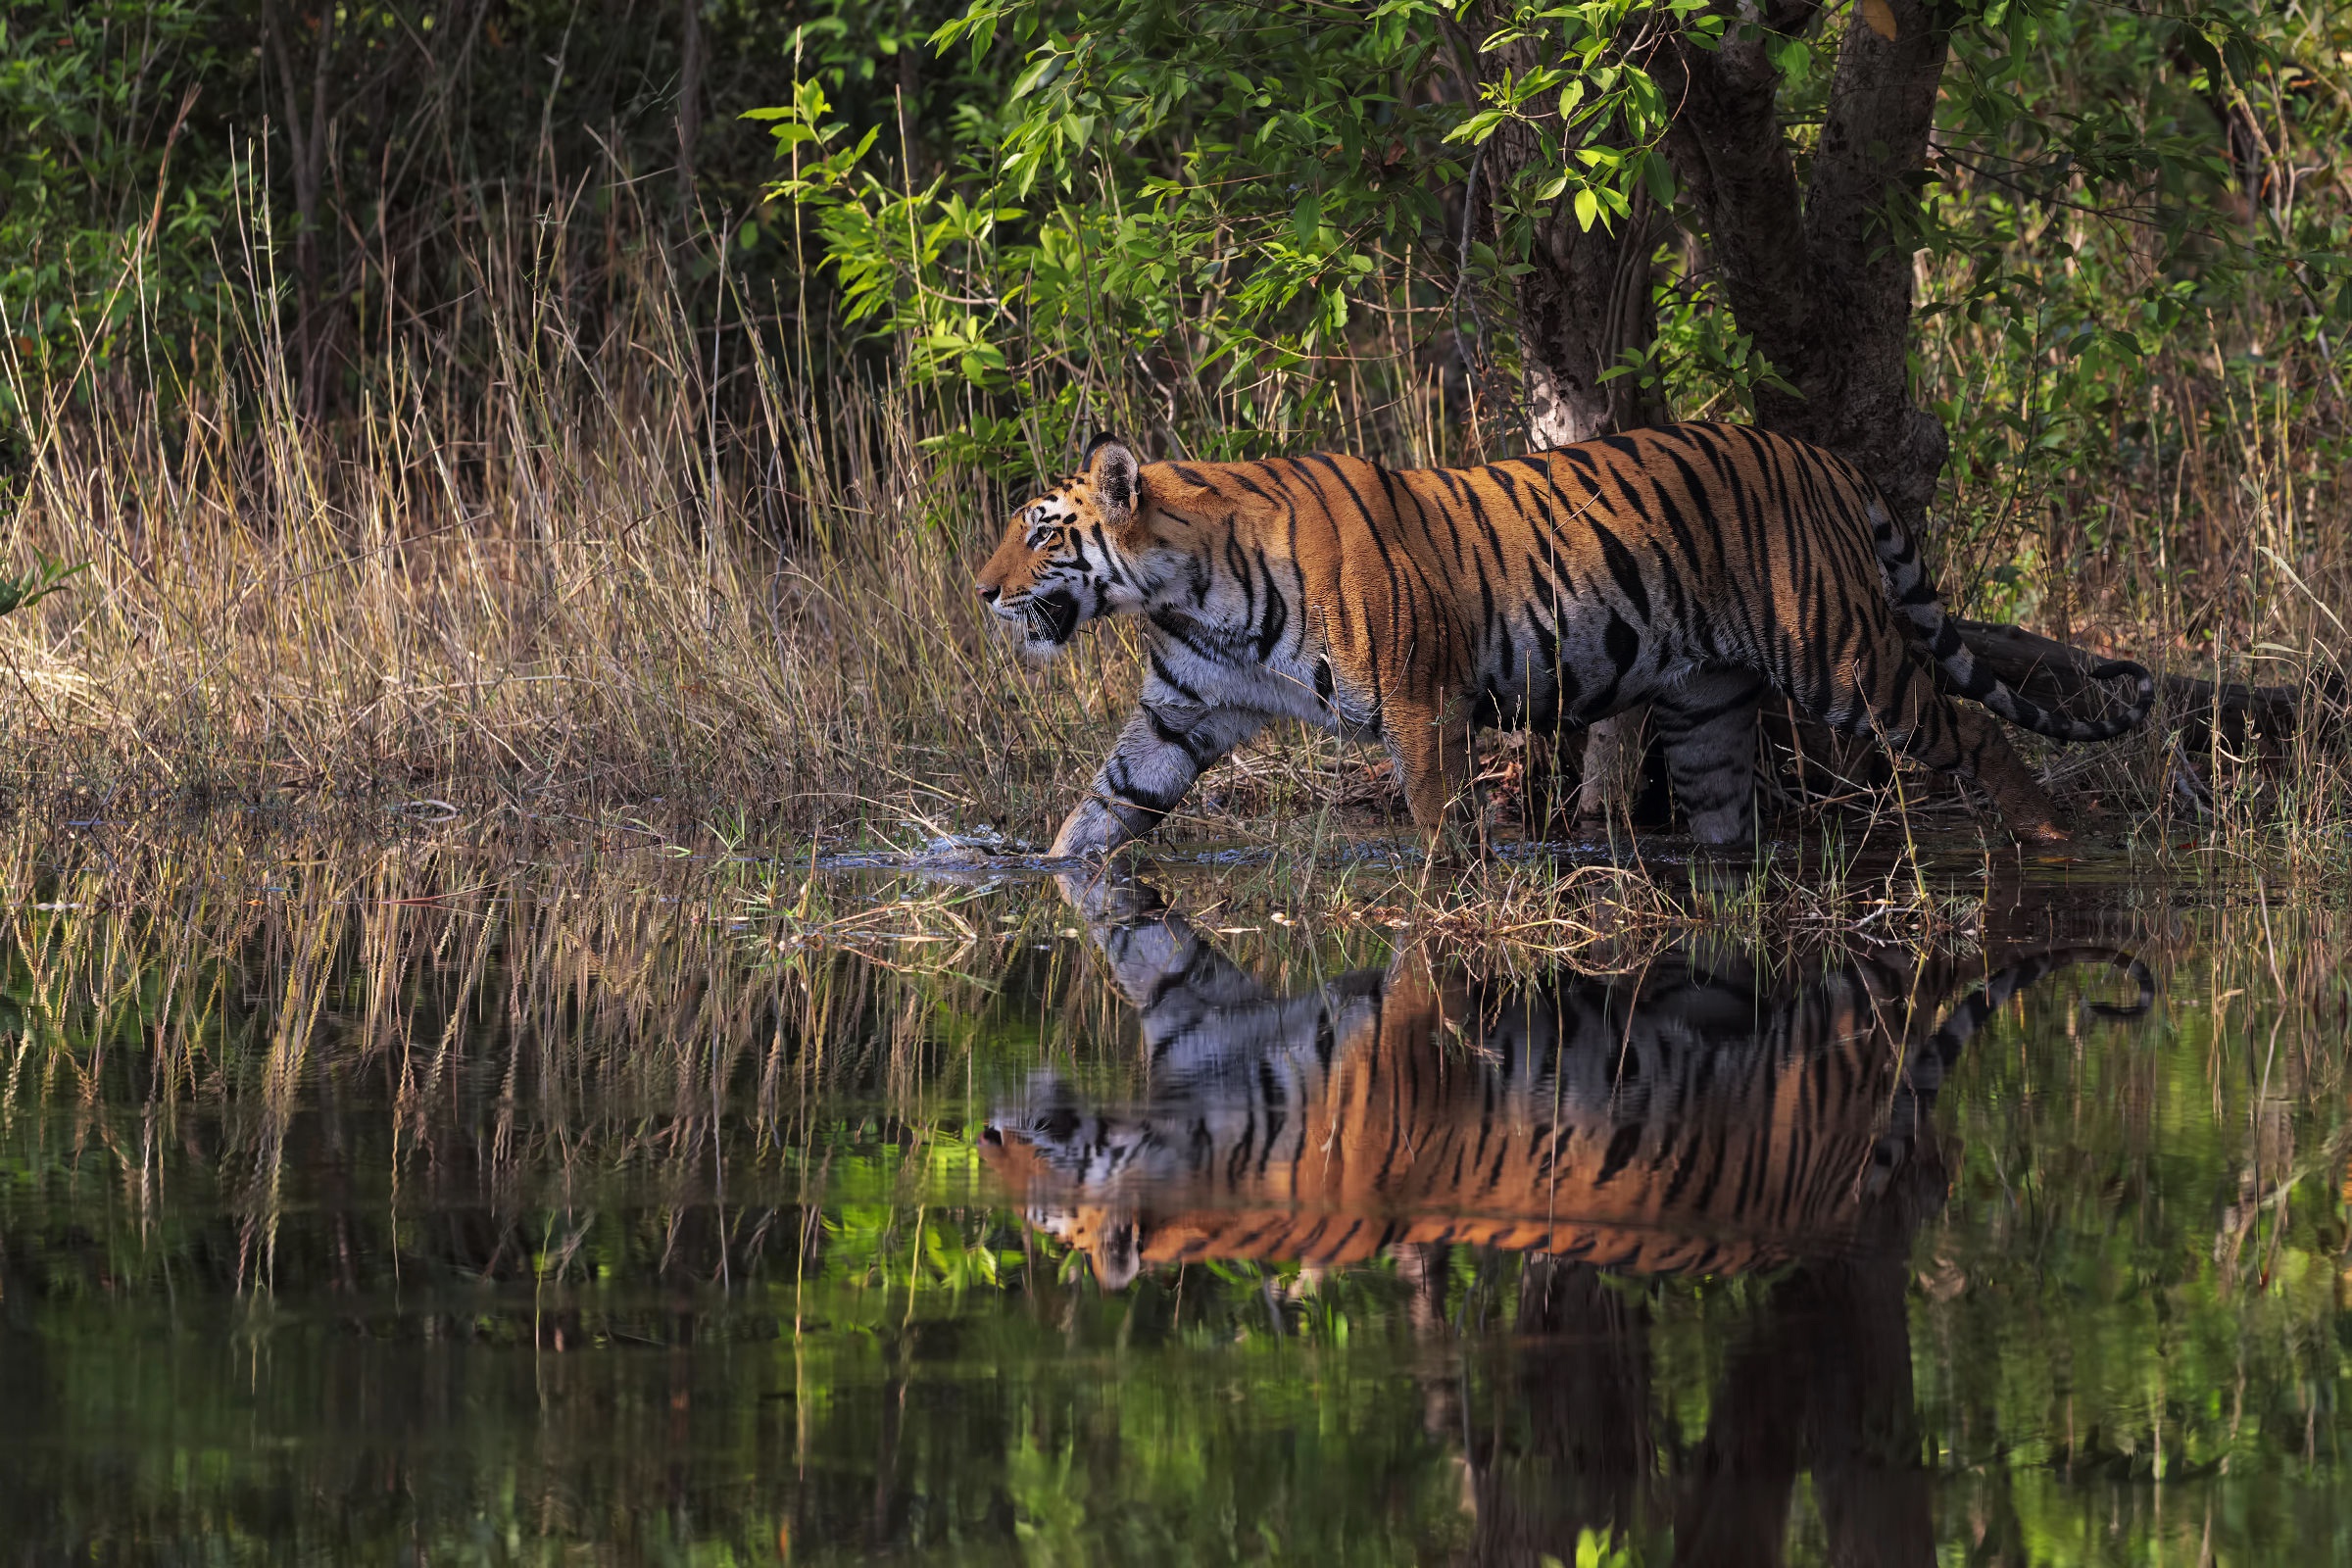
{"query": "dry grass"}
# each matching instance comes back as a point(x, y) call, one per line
point(603, 585)
point(525, 587)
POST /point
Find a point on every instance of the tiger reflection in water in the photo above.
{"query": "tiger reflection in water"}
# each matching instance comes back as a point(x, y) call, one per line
point(1690, 1118)
point(1684, 1119)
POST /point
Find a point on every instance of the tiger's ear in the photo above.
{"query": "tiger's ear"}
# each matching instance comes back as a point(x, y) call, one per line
point(1114, 477)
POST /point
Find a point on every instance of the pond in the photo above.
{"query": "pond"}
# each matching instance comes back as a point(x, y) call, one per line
point(420, 1205)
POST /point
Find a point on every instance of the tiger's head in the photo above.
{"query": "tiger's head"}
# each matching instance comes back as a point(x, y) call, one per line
point(1088, 550)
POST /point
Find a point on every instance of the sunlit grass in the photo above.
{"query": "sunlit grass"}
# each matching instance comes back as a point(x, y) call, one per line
point(575, 592)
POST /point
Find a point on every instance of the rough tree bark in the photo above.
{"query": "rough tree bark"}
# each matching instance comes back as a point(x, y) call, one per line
point(1583, 300)
point(1821, 276)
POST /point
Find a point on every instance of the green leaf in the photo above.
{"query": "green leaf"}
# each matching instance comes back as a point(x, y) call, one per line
point(48, 576)
point(1479, 126)
point(1040, 73)
point(1306, 217)
point(1658, 175)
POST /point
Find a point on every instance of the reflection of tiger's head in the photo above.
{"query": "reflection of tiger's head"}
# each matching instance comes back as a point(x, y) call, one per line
point(1069, 1163)
point(1098, 546)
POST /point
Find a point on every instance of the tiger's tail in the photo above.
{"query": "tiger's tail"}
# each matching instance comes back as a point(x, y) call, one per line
point(1916, 599)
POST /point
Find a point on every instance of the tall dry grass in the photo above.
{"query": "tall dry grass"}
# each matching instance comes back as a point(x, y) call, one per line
point(551, 584)
point(604, 565)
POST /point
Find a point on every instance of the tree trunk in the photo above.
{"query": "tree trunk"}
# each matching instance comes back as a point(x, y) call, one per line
point(307, 140)
point(2262, 720)
point(1584, 298)
point(1820, 278)
point(1818, 271)
point(690, 99)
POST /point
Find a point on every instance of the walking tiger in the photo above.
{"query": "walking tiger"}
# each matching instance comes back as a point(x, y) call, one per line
point(1691, 568)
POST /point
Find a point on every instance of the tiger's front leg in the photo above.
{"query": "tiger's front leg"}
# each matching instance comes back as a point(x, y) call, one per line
point(1433, 754)
point(1165, 746)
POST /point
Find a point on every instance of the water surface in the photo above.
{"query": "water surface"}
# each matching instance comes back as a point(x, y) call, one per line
point(415, 1210)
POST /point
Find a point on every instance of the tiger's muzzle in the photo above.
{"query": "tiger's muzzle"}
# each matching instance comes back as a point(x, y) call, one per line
point(1048, 618)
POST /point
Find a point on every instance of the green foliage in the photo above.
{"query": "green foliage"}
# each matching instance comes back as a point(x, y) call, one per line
point(2118, 208)
point(1176, 197)
point(48, 576)
point(1208, 220)
point(1227, 225)
point(92, 232)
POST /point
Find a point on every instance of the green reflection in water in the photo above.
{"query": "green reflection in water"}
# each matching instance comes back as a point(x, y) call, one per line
point(560, 1215)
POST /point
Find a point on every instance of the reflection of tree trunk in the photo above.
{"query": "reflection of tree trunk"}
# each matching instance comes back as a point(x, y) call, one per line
point(882, 1518)
point(1423, 1268)
point(1583, 1382)
point(1867, 1476)
point(1825, 1381)
point(1734, 1506)
point(2000, 1535)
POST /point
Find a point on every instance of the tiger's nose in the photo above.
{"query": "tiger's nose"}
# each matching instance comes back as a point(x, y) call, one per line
point(988, 595)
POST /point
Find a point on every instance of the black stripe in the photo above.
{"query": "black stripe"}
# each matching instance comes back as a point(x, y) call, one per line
point(1624, 568)
point(1167, 677)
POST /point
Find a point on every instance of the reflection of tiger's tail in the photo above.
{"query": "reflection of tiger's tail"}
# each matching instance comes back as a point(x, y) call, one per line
point(1916, 598)
point(1924, 1074)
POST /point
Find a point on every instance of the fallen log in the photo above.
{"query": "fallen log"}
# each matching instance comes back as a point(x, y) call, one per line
point(2255, 722)
point(2057, 676)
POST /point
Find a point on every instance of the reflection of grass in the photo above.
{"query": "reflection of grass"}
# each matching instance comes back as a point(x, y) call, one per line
point(1510, 911)
point(914, 924)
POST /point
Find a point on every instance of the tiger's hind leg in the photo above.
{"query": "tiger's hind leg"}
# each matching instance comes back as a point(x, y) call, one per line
point(1896, 697)
point(1433, 752)
point(1987, 757)
point(1706, 725)
point(1955, 738)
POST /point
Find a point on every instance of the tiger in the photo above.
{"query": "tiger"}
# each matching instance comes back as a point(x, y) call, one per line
point(1691, 566)
point(1687, 1120)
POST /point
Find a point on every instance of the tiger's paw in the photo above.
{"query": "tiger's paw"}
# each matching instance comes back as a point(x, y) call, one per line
point(1089, 833)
